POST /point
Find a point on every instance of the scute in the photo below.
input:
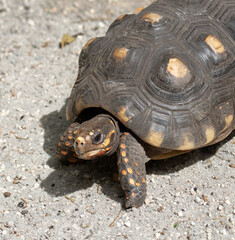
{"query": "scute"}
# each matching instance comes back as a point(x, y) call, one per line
point(167, 73)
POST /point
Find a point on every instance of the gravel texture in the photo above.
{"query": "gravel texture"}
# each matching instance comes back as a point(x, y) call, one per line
point(189, 197)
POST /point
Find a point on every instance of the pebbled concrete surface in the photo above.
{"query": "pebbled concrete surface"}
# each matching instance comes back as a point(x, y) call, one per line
point(189, 197)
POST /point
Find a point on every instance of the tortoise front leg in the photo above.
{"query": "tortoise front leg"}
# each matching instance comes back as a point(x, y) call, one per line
point(131, 166)
point(65, 149)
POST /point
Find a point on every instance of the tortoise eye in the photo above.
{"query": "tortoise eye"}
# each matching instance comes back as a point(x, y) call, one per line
point(97, 138)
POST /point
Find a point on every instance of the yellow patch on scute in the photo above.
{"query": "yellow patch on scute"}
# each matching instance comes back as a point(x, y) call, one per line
point(187, 144)
point(228, 121)
point(88, 43)
point(210, 134)
point(177, 68)
point(154, 138)
point(70, 114)
point(215, 44)
point(170, 154)
point(120, 53)
point(120, 17)
point(121, 115)
point(138, 10)
point(152, 17)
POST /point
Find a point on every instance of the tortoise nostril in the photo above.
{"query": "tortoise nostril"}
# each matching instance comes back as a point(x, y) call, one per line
point(79, 143)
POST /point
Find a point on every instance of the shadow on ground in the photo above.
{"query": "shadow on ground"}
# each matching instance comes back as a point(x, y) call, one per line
point(68, 179)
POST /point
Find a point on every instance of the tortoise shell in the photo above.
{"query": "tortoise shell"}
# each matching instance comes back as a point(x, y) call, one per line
point(167, 73)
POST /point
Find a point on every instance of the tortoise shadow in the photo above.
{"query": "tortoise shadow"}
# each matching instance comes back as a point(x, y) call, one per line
point(75, 177)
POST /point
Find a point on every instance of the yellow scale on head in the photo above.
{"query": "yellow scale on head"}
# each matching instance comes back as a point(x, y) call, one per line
point(91, 133)
point(107, 140)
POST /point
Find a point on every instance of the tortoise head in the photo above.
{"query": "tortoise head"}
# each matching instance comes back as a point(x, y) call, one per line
point(96, 137)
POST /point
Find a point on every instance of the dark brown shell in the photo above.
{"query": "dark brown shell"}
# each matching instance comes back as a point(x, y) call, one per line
point(167, 73)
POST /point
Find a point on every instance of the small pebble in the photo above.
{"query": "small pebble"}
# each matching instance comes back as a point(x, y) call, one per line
point(36, 185)
point(157, 235)
point(220, 207)
point(8, 179)
point(127, 224)
point(180, 214)
point(7, 194)
point(67, 211)
point(21, 150)
point(10, 224)
point(197, 199)
point(192, 191)
point(223, 231)
point(118, 224)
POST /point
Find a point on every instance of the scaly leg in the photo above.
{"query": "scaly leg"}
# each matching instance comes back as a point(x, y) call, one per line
point(65, 150)
point(131, 165)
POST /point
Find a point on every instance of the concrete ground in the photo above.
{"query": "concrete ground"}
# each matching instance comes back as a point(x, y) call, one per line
point(189, 197)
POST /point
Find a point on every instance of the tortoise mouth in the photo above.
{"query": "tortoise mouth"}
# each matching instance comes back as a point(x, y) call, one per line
point(94, 153)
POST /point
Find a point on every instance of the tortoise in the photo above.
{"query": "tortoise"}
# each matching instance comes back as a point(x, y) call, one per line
point(163, 83)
